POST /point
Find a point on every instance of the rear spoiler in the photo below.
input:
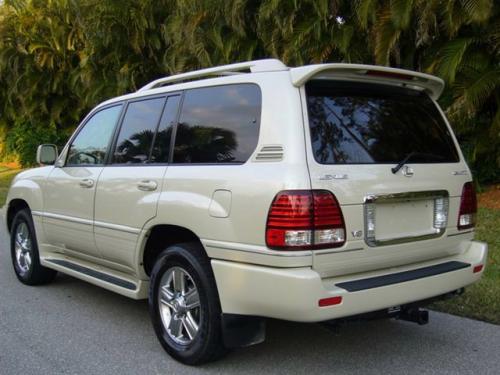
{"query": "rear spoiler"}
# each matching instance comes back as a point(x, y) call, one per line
point(369, 73)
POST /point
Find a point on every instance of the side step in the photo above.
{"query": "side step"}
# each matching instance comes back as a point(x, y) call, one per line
point(93, 273)
point(106, 280)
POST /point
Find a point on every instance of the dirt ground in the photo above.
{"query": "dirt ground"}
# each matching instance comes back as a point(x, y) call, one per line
point(490, 198)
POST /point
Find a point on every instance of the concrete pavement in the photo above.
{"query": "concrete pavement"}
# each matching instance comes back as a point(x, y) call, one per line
point(71, 327)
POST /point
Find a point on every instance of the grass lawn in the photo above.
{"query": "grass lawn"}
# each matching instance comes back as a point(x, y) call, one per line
point(480, 301)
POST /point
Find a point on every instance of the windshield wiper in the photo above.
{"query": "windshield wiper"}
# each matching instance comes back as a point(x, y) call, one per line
point(412, 154)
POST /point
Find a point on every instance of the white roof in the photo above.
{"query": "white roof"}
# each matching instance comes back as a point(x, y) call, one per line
point(362, 73)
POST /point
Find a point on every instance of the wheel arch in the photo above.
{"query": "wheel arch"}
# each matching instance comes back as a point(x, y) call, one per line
point(25, 192)
point(14, 206)
point(161, 236)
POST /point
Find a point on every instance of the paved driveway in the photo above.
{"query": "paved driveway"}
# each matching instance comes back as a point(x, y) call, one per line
point(71, 327)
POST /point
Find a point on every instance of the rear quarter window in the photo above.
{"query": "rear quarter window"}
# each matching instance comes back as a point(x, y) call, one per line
point(218, 124)
point(355, 123)
point(137, 131)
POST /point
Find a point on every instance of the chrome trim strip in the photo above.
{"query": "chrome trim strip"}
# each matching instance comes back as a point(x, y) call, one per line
point(255, 249)
point(336, 251)
point(399, 240)
point(369, 209)
point(406, 196)
point(121, 228)
point(99, 224)
point(460, 233)
point(67, 218)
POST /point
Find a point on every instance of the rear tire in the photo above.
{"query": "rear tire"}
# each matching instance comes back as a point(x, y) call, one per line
point(184, 305)
point(24, 252)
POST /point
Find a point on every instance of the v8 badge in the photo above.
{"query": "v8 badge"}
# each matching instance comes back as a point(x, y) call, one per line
point(357, 233)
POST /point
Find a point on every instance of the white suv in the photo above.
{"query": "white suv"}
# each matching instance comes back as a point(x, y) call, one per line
point(254, 190)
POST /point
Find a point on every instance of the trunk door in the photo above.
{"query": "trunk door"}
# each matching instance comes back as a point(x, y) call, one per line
point(356, 134)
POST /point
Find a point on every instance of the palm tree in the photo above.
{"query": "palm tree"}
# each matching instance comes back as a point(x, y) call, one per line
point(458, 40)
point(58, 58)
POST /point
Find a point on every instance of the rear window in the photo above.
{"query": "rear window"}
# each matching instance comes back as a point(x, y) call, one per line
point(356, 123)
point(218, 124)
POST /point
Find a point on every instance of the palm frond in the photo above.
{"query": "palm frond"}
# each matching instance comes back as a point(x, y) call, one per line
point(450, 57)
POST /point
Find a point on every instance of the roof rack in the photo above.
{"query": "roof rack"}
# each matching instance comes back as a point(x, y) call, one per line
point(266, 65)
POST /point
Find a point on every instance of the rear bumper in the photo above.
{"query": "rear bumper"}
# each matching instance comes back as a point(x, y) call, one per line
point(293, 294)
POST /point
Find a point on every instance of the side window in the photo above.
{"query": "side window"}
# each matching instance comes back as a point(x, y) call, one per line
point(218, 124)
point(161, 148)
point(137, 131)
point(91, 143)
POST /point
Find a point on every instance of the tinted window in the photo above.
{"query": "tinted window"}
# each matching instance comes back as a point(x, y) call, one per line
point(161, 149)
point(360, 123)
point(91, 143)
point(137, 131)
point(218, 124)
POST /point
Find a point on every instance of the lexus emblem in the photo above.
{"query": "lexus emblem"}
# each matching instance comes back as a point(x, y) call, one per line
point(407, 171)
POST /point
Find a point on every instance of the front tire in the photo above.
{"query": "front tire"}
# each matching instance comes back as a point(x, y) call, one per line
point(24, 252)
point(184, 305)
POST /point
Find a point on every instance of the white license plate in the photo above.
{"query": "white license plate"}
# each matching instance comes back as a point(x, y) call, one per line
point(404, 219)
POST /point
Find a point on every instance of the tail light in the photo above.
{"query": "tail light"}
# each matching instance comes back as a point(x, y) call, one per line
point(303, 220)
point(468, 207)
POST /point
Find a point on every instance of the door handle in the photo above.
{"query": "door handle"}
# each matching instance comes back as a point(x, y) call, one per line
point(86, 183)
point(147, 185)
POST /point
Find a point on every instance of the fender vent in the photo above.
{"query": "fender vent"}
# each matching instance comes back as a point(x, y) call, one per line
point(270, 153)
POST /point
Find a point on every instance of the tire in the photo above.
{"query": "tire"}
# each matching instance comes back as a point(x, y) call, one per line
point(189, 263)
point(24, 252)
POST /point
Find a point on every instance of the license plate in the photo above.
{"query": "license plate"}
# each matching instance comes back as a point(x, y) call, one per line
point(403, 219)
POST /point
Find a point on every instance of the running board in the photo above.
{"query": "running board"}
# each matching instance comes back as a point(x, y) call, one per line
point(97, 277)
point(93, 273)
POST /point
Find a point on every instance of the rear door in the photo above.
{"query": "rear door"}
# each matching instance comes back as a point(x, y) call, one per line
point(389, 157)
point(129, 186)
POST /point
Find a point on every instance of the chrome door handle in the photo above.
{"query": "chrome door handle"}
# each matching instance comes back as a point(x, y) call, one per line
point(147, 185)
point(86, 183)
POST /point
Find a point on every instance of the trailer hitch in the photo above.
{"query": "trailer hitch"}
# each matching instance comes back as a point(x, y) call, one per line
point(414, 314)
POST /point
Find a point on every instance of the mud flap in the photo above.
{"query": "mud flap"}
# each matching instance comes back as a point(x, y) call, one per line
point(240, 331)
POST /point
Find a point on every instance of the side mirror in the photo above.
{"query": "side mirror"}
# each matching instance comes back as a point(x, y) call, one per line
point(46, 154)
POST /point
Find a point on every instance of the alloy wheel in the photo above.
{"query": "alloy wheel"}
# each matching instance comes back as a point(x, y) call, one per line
point(179, 304)
point(23, 248)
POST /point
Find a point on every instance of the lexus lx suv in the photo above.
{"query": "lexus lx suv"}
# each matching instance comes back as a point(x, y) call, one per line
point(229, 195)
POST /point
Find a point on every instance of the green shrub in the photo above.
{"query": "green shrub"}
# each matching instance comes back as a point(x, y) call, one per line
point(23, 139)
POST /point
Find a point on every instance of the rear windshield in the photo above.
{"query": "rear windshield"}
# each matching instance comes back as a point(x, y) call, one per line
point(356, 123)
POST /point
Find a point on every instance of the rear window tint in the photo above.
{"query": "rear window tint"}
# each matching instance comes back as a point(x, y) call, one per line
point(161, 148)
point(355, 123)
point(137, 131)
point(218, 124)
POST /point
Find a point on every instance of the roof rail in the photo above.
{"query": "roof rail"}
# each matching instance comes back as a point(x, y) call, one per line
point(266, 65)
